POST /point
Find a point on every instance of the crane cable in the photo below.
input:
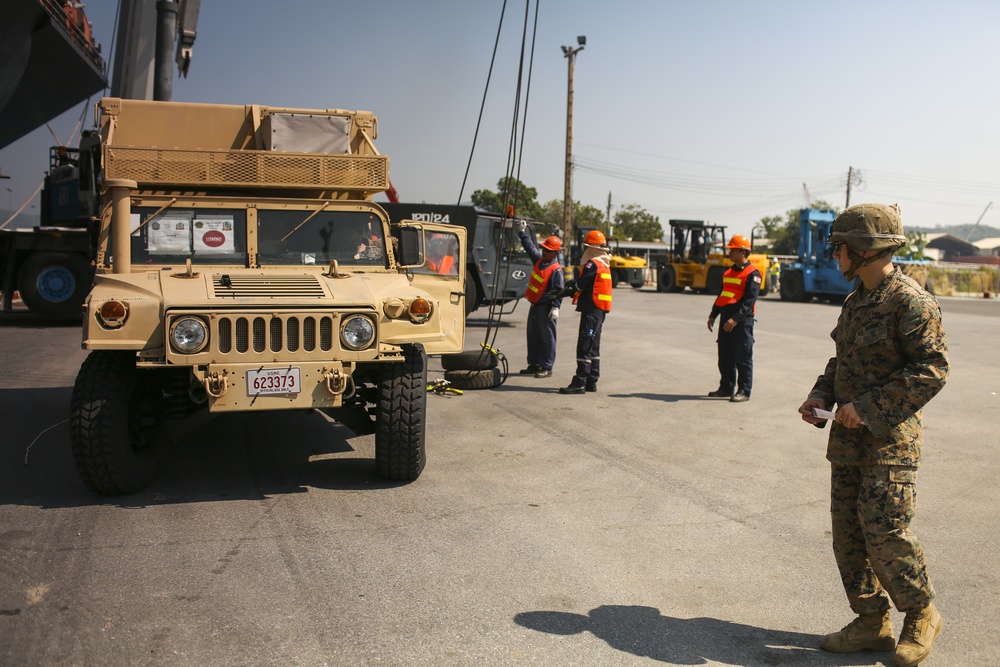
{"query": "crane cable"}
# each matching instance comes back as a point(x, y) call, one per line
point(514, 153)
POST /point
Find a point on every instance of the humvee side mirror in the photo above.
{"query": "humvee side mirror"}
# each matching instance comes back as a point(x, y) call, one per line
point(411, 246)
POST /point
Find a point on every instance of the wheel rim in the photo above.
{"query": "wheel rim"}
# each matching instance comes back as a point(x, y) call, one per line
point(56, 284)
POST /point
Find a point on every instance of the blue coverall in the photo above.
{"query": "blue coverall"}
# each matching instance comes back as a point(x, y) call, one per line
point(541, 330)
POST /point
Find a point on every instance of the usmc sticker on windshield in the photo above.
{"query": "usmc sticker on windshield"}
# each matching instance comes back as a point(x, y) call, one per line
point(274, 381)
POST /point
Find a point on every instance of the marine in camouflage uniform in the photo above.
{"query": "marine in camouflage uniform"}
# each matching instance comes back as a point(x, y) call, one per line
point(891, 359)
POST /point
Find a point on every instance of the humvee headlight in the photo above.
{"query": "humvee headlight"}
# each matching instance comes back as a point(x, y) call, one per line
point(113, 314)
point(420, 310)
point(357, 332)
point(188, 335)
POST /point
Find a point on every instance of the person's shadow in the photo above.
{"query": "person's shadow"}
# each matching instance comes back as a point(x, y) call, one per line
point(643, 631)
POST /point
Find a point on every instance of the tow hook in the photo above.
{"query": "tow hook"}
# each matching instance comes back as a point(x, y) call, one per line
point(215, 385)
point(336, 381)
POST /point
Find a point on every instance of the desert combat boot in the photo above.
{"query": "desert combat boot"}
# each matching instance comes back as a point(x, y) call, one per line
point(920, 629)
point(868, 631)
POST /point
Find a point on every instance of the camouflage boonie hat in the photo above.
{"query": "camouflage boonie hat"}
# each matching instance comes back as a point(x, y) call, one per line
point(868, 227)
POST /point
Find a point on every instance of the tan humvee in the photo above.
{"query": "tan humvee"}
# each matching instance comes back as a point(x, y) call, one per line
point(242, 265)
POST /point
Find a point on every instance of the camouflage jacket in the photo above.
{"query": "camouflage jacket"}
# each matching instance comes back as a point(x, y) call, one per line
point(892, 358)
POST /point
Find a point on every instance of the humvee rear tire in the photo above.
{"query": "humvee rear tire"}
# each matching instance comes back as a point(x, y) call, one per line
point(471, 295)
point(113, 413)
point(483, 379)
point(468, 360)
point(400, 421)
point(54, 284)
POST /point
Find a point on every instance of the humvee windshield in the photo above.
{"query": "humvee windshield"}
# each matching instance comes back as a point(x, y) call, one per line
point(284, 237)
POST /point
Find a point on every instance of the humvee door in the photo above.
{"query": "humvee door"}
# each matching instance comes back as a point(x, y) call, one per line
point(434, 258)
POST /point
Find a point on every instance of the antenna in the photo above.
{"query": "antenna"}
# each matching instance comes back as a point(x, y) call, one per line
point(969, 235)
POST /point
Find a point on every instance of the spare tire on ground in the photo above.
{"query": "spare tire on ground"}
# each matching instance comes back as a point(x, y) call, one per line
point(481, 379)
point(469, 360)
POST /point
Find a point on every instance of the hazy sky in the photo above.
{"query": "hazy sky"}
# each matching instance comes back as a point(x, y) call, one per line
point(720, 110)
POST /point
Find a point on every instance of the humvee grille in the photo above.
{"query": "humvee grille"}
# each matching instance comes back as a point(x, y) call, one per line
point(246, 168)
point(246, 334)
point(256, 287)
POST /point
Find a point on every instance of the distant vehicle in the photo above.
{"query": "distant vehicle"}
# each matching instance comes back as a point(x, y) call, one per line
point(697, 259)
point(625, 267)
point(815, 272)
point(497, 267)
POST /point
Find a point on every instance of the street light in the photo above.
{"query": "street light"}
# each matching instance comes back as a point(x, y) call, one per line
point(570, 54)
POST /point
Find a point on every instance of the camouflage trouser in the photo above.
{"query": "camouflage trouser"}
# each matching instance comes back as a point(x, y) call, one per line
point(872, 507)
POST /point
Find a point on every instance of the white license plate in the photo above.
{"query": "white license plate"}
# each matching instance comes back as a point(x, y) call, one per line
point(286, 380)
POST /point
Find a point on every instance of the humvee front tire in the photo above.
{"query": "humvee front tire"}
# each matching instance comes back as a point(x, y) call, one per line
point(112, 418)
point(400, 421)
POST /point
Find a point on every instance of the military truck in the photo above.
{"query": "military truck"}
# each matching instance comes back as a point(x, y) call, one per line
point(241, 265)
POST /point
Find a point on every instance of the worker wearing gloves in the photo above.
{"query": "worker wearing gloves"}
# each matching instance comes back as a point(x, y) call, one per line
point(592, 296)
point(542, 293)
point(736, 303)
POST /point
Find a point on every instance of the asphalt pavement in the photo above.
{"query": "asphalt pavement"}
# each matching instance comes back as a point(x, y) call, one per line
point(645, 524)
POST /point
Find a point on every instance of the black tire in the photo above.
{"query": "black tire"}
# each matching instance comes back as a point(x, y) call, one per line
point(469, 360)
point(471, 294)
point(54, 284)
point(401, 417)
point(668, 280)
point(793, 287)
point(113, 414)
point(484, 379)
point(638, 278)
point(617, 277)
point(713, 281)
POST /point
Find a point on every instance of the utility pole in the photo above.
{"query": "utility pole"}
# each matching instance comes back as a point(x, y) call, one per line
point(570, 54)
point(609, 215)
point(850, 177)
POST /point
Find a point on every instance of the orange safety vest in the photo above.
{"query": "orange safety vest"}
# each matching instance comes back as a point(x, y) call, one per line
point(538, 280)
point(734, 286)
point(602, 287)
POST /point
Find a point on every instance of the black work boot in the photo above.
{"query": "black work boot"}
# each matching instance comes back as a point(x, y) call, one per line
point(530, 370)
point(739, 397)
point(920, 629)
point(573, 388)
point(868, 631)
point(718, 393)
point(591, 385)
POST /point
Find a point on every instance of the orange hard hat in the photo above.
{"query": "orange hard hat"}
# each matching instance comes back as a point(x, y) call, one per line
point(595, 237)
point(739, 242)
point(552, 243)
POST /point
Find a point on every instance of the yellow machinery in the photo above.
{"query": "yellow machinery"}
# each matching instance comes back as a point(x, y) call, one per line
point(698, 258)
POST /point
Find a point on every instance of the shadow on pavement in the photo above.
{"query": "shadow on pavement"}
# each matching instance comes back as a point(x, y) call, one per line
point(645, 632)
point(206, 457)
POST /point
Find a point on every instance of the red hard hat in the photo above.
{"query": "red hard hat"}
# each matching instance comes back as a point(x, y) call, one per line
point(552, 243)
point(739, 242)
point(595, 237)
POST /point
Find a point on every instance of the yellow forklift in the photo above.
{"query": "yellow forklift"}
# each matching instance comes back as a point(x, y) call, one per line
point(697, 259)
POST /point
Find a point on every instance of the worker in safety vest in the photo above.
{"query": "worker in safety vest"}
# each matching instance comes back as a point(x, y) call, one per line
point(736, 303)
point(544, 285)
point(592, 296)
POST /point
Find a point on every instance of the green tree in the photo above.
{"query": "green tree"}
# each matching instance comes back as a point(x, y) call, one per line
point(513, 192)
point(636, 223)
point(584, 215)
